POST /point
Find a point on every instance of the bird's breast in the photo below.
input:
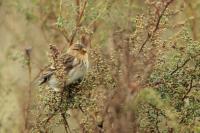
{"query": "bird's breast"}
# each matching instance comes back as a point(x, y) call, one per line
point(77, 72)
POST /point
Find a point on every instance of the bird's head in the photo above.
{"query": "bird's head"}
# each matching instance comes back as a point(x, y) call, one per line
point(78, 49)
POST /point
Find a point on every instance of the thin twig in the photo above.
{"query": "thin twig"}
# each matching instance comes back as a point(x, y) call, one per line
point(66, 125)
point(60, 7)
point(184, 63)
point(78, 21)
point(150, 35)
point(193, 23)
point(146, 40)
point(161, 15)
point(55, 111)
point(181, 66)
point(49, 118)
point(77, 10)
point(189, 89)
point(63, 31)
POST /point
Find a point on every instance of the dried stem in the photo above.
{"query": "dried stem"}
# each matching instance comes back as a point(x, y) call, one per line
point(27, 106)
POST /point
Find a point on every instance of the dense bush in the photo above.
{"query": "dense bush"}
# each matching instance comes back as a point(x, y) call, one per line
point(144, 66)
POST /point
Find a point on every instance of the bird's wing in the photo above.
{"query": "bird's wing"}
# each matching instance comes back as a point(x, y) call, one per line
point(46, 76)
point(68, 62)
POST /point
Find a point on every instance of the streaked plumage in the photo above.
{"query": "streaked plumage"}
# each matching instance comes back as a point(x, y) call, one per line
point(75, 63)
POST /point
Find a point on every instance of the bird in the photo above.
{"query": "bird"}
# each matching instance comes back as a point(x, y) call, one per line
point(76, 65)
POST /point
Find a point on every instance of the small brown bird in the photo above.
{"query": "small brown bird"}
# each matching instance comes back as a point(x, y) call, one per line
point(76, 65)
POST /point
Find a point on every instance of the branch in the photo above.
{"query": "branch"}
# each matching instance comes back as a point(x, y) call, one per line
point(78, 9)
point(78, 19)
point(184, 63)
point(55, 111)
point(181, 66)
point(65, 34)
point(161, 15)
point(189, 89)
point(66, 125)
point(157, 25)
point(193, 23)
point(146, 40)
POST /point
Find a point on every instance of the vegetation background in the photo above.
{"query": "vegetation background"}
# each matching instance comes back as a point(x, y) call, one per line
point(144, 74)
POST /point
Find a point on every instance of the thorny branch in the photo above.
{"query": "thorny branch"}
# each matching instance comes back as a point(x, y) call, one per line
point(150, 35)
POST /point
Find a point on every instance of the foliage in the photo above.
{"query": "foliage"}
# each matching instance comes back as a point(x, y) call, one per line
point(173, 105)
point(144, 66)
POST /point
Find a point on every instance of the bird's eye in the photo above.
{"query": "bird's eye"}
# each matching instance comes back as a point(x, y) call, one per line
point(76, 49)
point(84, 49)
